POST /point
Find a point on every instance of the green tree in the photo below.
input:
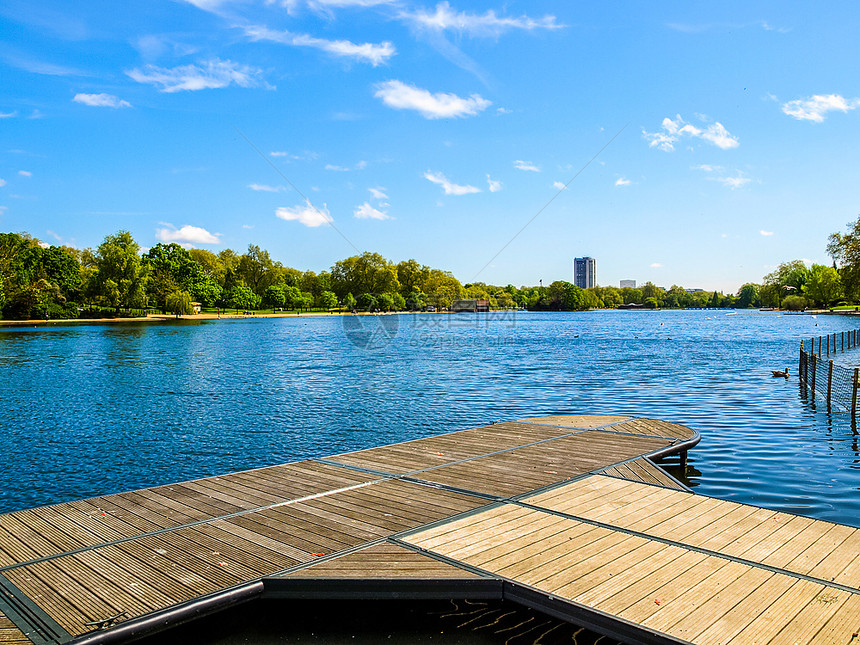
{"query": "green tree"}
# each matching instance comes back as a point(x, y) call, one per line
point(349, 302)
point(794, 303)
point(256, 269)
point(241, 296)
point(274, 296)
point(412, 276)
point(844, 248)
point(170, 268)
point(328, 299)
point(748, 296)
point(120, 280)
point(365, 273)
point(179, 303)
point(824, 285)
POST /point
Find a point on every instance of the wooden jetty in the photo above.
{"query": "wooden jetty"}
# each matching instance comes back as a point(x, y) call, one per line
point(568, 515)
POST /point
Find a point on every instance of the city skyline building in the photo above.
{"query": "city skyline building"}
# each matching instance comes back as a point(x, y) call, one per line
point(628, 283)
point(584, 272)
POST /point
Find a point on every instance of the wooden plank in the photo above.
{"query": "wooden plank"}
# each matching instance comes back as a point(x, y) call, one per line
point(808, 622)
point(730, 622)
point(642, 580)
point(764, 627)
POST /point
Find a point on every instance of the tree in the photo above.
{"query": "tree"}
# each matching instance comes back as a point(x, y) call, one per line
point(256, 269)
point(794, 303)
point(328, 299)
point(120, 280)
point(823, 285)
point(241, 296)
point(365, 273)
point(748, 296)
point(349, 302)
point(171, 268)
point(179, 303)
point(412, 276)
point(845, 251)
point(274, 296)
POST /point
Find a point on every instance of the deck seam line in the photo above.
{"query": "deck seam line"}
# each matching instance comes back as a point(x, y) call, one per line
point(28, 617)
point(672, 442)
point(691, 547)
point(178, 527)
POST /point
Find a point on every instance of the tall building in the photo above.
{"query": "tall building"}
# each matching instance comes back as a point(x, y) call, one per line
point(628, 283)
point(584, 272)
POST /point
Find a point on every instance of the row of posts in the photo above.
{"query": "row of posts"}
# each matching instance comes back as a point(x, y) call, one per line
point(843, 340)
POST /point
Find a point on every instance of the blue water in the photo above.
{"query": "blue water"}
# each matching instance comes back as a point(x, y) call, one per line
point(89, 410)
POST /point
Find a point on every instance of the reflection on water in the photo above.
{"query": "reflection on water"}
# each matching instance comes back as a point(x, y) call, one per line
point(369, 622)
point(99, 409)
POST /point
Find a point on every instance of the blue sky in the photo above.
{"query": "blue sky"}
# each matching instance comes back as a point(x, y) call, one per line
point(700, 144)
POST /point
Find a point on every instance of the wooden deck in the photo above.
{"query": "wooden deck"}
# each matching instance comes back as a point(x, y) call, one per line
point(564, 514)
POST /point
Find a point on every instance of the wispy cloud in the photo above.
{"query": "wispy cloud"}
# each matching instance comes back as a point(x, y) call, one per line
point(2, 183)
point(447, 186)
point(266, 189)
point(816, 107)
point(101, 100)
point(487, 24)
point(366, 211)
point(493, 185)
point(187, 234)
point(373, 53)
point(25, 173)
point(621, 181)
point(361, 165)
point(212, 74)
point(655, 265)
point(673, 130)
point(559, 185)
point(699, 28)
point(378, 193)
point(401, 96)
point(729, 179)
point(8, 115)
point(307, 214)
point(526, 165)
point(766, 233)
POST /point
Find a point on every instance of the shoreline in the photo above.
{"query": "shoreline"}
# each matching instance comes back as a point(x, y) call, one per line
point(157, 318)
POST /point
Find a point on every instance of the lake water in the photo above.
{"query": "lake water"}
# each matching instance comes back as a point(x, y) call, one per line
point(90, 410)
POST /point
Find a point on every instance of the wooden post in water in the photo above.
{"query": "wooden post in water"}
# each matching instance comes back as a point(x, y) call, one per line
point(829, 382)
point(819, 347)
point(814, 363)
point(834, 342)
point(842, 341)
point(854, 392)
point(801, 366)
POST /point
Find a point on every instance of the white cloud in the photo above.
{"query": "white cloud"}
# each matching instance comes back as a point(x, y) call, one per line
point(815, 107)
point(526, 165)
point(8, 115)
point(621, 181)
point(378, 193)
point(766, 233)
point(212, 74)
point(373, 53)
point(447, 186)
point(733, 182)
point(366, 211)
point(494, 186)
point(187, 234)
point(487, 24)
point(401, 96)
point(265, 188)
point(655, 265)
point(2, 182)
point(719, 174)
point(361, 165)
point(247, 226)
point(101, 100)
point(560, 185)
point(25, 173)
point(674, 130)
point(309, 215)
point(3, 209)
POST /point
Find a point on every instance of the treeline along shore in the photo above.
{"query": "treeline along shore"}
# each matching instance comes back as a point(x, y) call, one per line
point(119, 279)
